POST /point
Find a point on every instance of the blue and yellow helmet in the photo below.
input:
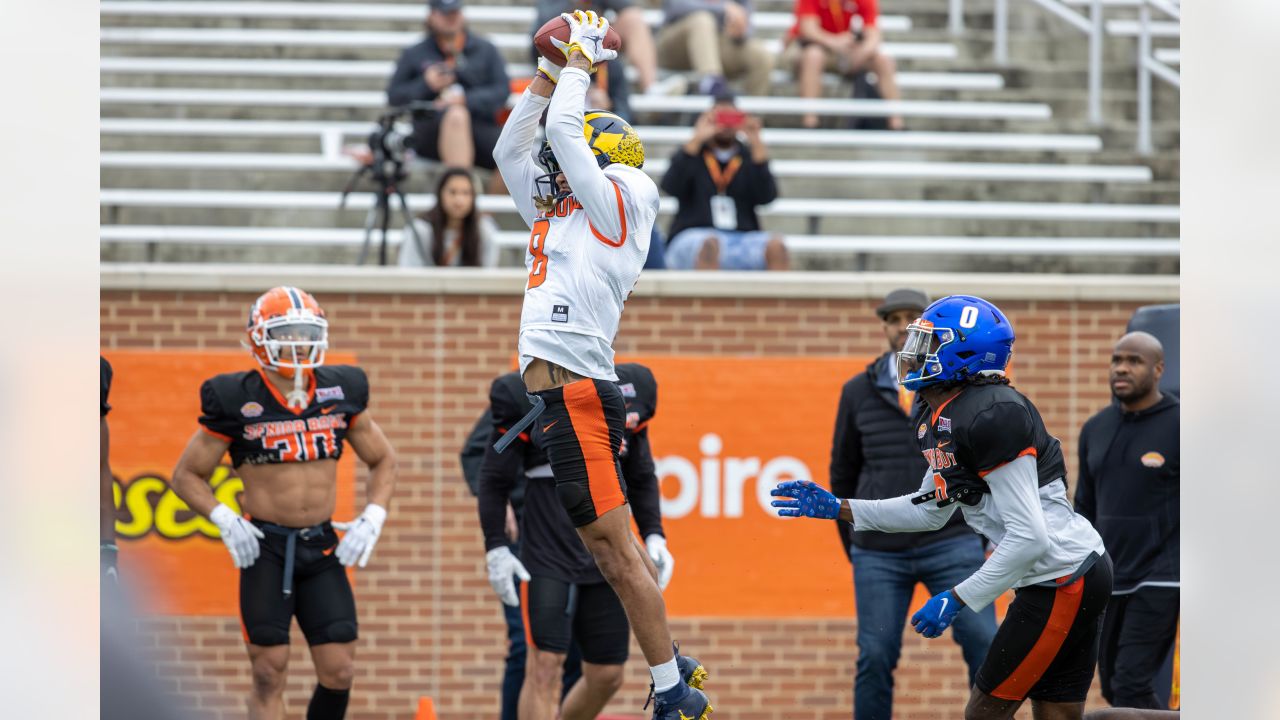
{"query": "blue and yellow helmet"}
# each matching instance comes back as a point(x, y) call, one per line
point(611, 139)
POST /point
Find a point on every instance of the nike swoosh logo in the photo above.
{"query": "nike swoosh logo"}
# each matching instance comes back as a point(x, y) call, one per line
point(329, 552)
point(328, 410)
point(944, 606)
point(549, 425)
point(944, 444)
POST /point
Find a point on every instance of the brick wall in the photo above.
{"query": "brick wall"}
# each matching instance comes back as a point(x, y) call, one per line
point(430, 624)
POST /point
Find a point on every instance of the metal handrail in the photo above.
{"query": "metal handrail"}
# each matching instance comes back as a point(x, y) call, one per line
point(1090, 25)
point(1148, 65)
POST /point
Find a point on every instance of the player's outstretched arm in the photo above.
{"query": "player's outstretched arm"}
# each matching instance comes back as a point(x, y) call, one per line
point(514, 152)
point(1015, 490)
point(803, 498)
point(646, 501)
point(599, 196)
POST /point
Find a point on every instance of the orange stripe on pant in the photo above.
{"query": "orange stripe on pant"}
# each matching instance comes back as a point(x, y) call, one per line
point(587, 415)
point(1066, 605)
point(524, 615)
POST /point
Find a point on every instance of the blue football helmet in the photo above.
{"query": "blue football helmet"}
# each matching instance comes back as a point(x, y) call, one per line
point(956, 337)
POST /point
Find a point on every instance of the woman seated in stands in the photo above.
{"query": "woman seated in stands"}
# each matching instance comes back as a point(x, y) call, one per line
point(453, 233)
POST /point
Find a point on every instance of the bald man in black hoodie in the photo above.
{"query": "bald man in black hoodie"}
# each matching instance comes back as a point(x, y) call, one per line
point(1129, 489)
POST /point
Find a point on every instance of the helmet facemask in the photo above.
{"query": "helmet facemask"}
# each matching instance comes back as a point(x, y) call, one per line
point(292, 343)
point(545, 201)
point(918, 361)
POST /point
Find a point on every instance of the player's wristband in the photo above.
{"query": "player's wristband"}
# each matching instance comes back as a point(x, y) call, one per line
point(545, 76)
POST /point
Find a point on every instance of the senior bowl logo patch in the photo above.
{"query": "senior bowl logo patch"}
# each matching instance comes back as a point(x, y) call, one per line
point(628, 389)
point(920, 433)
point(329, 393)
point(251, 409)
point(944, 424)
point(1153, 459)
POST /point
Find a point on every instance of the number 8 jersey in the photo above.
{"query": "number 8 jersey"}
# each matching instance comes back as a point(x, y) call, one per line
point(585, 253)
point(579, 277)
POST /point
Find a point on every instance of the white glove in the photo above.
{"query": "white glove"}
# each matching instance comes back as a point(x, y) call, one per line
point(240, 536)
point(550, 69)
point(586, 35)
point(502, 565)
point(661, 557)
point(360, 535)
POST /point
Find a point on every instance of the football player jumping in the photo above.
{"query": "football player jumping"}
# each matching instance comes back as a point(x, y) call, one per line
point(590, 216)
point(285, 424)
point(990, 455)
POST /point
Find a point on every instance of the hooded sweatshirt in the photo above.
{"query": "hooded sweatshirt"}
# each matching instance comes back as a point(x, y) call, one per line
point(1128, 488)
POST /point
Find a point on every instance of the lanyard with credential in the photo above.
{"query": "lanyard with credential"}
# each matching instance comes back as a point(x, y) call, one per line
point(720, 177)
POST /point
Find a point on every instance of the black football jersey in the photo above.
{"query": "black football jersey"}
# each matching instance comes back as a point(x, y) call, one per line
point(977, 431)
point(245, 409)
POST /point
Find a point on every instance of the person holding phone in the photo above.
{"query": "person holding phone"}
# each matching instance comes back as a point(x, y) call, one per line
point(464, 77)
point(719, 181)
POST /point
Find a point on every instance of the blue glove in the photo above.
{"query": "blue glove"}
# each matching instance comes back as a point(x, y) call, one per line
point(805, 499)
point(937, 614)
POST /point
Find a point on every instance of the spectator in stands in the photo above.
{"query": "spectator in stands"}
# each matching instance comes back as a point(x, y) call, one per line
point(453, 233)
point(713, 39)
point(719, 181)
point(464, 78)
point(823, 39)
point(874, 457)
point(1129, 487)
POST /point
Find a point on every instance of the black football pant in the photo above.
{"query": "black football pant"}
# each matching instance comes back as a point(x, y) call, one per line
point(1138, 631)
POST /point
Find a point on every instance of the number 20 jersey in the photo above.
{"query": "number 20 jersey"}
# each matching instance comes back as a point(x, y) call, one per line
point(245, 409)
point(579, 278)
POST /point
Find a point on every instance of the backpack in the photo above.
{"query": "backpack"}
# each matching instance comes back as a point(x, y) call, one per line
point(865, 89)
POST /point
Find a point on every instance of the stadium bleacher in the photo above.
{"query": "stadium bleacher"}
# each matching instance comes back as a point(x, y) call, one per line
point(222, 119)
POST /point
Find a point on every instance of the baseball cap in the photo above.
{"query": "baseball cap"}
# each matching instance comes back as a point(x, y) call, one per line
point(903, 299)
point(445, 5)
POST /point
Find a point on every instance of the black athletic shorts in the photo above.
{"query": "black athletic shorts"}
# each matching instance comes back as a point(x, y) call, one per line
point(484, 136)
point(582, 429)
point(557, 613)
point(320, 594)
point(1047, 647)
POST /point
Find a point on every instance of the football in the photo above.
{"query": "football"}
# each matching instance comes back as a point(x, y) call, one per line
point(556, 27)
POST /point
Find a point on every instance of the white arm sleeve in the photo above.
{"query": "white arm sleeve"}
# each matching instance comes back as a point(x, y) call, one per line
point(900, 514)
point(599, 196)
point(514, 153)
point(1015, 490)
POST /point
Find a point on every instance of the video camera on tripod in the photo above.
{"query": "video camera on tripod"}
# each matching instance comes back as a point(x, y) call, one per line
point(388, 143)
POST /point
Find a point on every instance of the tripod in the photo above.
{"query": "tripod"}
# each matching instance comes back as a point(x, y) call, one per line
point(387, 171)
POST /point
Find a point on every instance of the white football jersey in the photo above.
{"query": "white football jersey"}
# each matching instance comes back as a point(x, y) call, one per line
point(579, 278)
point(585, 255)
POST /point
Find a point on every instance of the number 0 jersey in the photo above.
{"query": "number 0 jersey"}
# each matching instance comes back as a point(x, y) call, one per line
point(245, 409)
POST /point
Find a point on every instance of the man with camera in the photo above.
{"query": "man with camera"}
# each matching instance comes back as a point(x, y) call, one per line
point(465, 80)
point(719, 181)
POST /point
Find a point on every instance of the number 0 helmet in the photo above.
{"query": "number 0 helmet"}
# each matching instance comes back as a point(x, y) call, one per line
point(611, 139)
point(287, 331)
point(956, 337)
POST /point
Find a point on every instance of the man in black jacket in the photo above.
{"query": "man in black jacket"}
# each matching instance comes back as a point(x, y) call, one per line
point(464, 77)
point(1129, 490)
point(719, 181)
point(874, 457)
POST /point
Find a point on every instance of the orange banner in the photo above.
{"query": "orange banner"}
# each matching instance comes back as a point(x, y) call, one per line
point(175, 556)
point(727, 431)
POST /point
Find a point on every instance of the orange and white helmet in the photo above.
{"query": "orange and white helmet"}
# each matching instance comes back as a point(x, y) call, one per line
point(287, 331)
